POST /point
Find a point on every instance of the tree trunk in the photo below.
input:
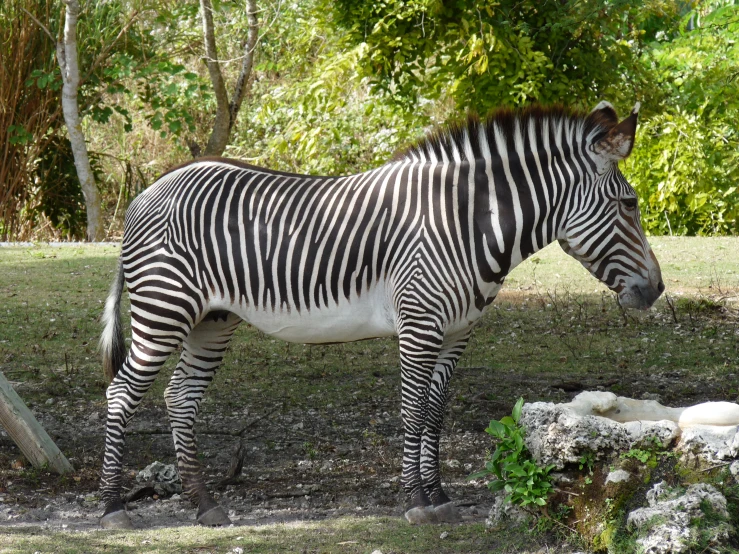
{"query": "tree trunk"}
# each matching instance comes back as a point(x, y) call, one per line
point(242, 84)
point(67, 55)
point(219, 136)
point(226, 112)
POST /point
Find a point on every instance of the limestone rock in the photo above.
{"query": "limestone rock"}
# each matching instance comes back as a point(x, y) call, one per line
point(163, 477)
point(734, 469)
point(556, 435)
point(709, 444)
point(618, 476)
point(504, 511)
point(670, 522)
point(644, 434)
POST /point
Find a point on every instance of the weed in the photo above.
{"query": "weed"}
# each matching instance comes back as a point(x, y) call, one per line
point(310, 450)
point(649, 455)
point(587, 460)
point(514, 469)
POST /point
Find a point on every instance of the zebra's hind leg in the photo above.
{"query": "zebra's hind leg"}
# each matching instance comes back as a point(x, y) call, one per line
point(202, 353)
point(145, 358)
point(453, 348)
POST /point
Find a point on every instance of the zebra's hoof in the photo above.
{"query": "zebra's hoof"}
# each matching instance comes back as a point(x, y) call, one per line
point(421, 515)
point(447, 513)
point(116, 520)
point(215, 517)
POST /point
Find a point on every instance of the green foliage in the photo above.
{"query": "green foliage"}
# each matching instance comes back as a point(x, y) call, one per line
point(649, 454)
point(686, 163)
point(57, 193)
point(487, 54)
point(515, 471)
point(312, 112)
point(587, 461)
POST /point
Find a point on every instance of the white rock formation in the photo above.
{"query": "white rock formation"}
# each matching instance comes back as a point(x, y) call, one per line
point(668, 523)
point(622, 409)
point(603, 423)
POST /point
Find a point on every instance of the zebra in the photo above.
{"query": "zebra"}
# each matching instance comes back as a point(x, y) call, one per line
point(417, 248)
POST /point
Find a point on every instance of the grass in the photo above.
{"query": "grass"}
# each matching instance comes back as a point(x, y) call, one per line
point(553, 330)
point(345, 535)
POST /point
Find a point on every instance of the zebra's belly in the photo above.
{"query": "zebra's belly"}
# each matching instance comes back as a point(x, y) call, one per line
point(365, 317)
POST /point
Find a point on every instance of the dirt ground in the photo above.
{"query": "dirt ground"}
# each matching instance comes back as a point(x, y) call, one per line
point(302, 463)
point(299, 464)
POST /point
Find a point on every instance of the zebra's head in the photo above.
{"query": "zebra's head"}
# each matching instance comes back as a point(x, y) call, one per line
point(603, 229)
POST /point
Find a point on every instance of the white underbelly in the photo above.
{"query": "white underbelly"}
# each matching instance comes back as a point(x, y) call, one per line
point(368, 316)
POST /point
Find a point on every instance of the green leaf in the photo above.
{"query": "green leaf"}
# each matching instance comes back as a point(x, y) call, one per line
point(516, 414)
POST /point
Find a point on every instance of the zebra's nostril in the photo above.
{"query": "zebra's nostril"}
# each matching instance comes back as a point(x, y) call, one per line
point(661, 287)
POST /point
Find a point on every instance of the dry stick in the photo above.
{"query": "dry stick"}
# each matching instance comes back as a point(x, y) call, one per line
point(723, 464)
point(115, 213)
point(671, 304)
point(39, 24)
point(237, 458)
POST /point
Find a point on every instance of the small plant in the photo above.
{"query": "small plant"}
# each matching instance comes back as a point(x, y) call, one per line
point(649, 454)
point(512, 465)
point(310, 450)
point(587, 460)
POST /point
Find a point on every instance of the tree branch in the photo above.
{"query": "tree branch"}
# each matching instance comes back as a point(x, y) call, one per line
point(242, 84)
point(221, 126)
point(44, 27)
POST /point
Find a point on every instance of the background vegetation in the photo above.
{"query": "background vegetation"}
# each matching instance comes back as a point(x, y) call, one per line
point(338, 86)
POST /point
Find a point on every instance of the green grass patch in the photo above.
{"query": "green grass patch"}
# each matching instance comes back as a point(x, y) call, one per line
point(344, 535)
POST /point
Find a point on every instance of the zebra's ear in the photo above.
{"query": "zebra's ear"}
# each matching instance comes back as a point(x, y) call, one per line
point(618, 142)
point(605, 111)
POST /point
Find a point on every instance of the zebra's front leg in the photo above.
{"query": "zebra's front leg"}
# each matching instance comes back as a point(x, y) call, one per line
point(124, 395)
point(202, 353)
point(417, 342)
point(444, 509)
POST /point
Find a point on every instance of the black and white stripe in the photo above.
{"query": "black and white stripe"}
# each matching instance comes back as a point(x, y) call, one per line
point(418, 247)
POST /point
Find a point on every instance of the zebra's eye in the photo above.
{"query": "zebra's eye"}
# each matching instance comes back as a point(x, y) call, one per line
point(629, 203)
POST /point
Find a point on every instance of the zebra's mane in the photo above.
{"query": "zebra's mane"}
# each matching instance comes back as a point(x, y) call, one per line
point(443, 141)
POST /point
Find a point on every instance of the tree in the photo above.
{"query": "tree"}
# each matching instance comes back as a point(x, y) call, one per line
point(68, 63)
point(226, 112)
point(484, 54)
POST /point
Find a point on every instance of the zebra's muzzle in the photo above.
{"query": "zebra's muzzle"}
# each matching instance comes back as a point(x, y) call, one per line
point(640, 297)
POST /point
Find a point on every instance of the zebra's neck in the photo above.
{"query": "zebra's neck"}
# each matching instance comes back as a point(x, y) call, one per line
point(520, 172)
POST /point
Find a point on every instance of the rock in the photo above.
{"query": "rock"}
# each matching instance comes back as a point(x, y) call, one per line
point(651, 396)
point(504, 511)
point(163, 477)
point(733, 469)
point(444, 535)
point(561, 434)
point(703, 444)
point(556, 435)
point(645, 434)
point(618, 476)
point(673, 521)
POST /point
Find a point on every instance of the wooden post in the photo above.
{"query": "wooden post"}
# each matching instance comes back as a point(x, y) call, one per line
point(27, 432)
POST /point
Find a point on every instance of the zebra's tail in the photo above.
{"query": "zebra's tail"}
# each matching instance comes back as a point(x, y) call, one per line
point(112, 345)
